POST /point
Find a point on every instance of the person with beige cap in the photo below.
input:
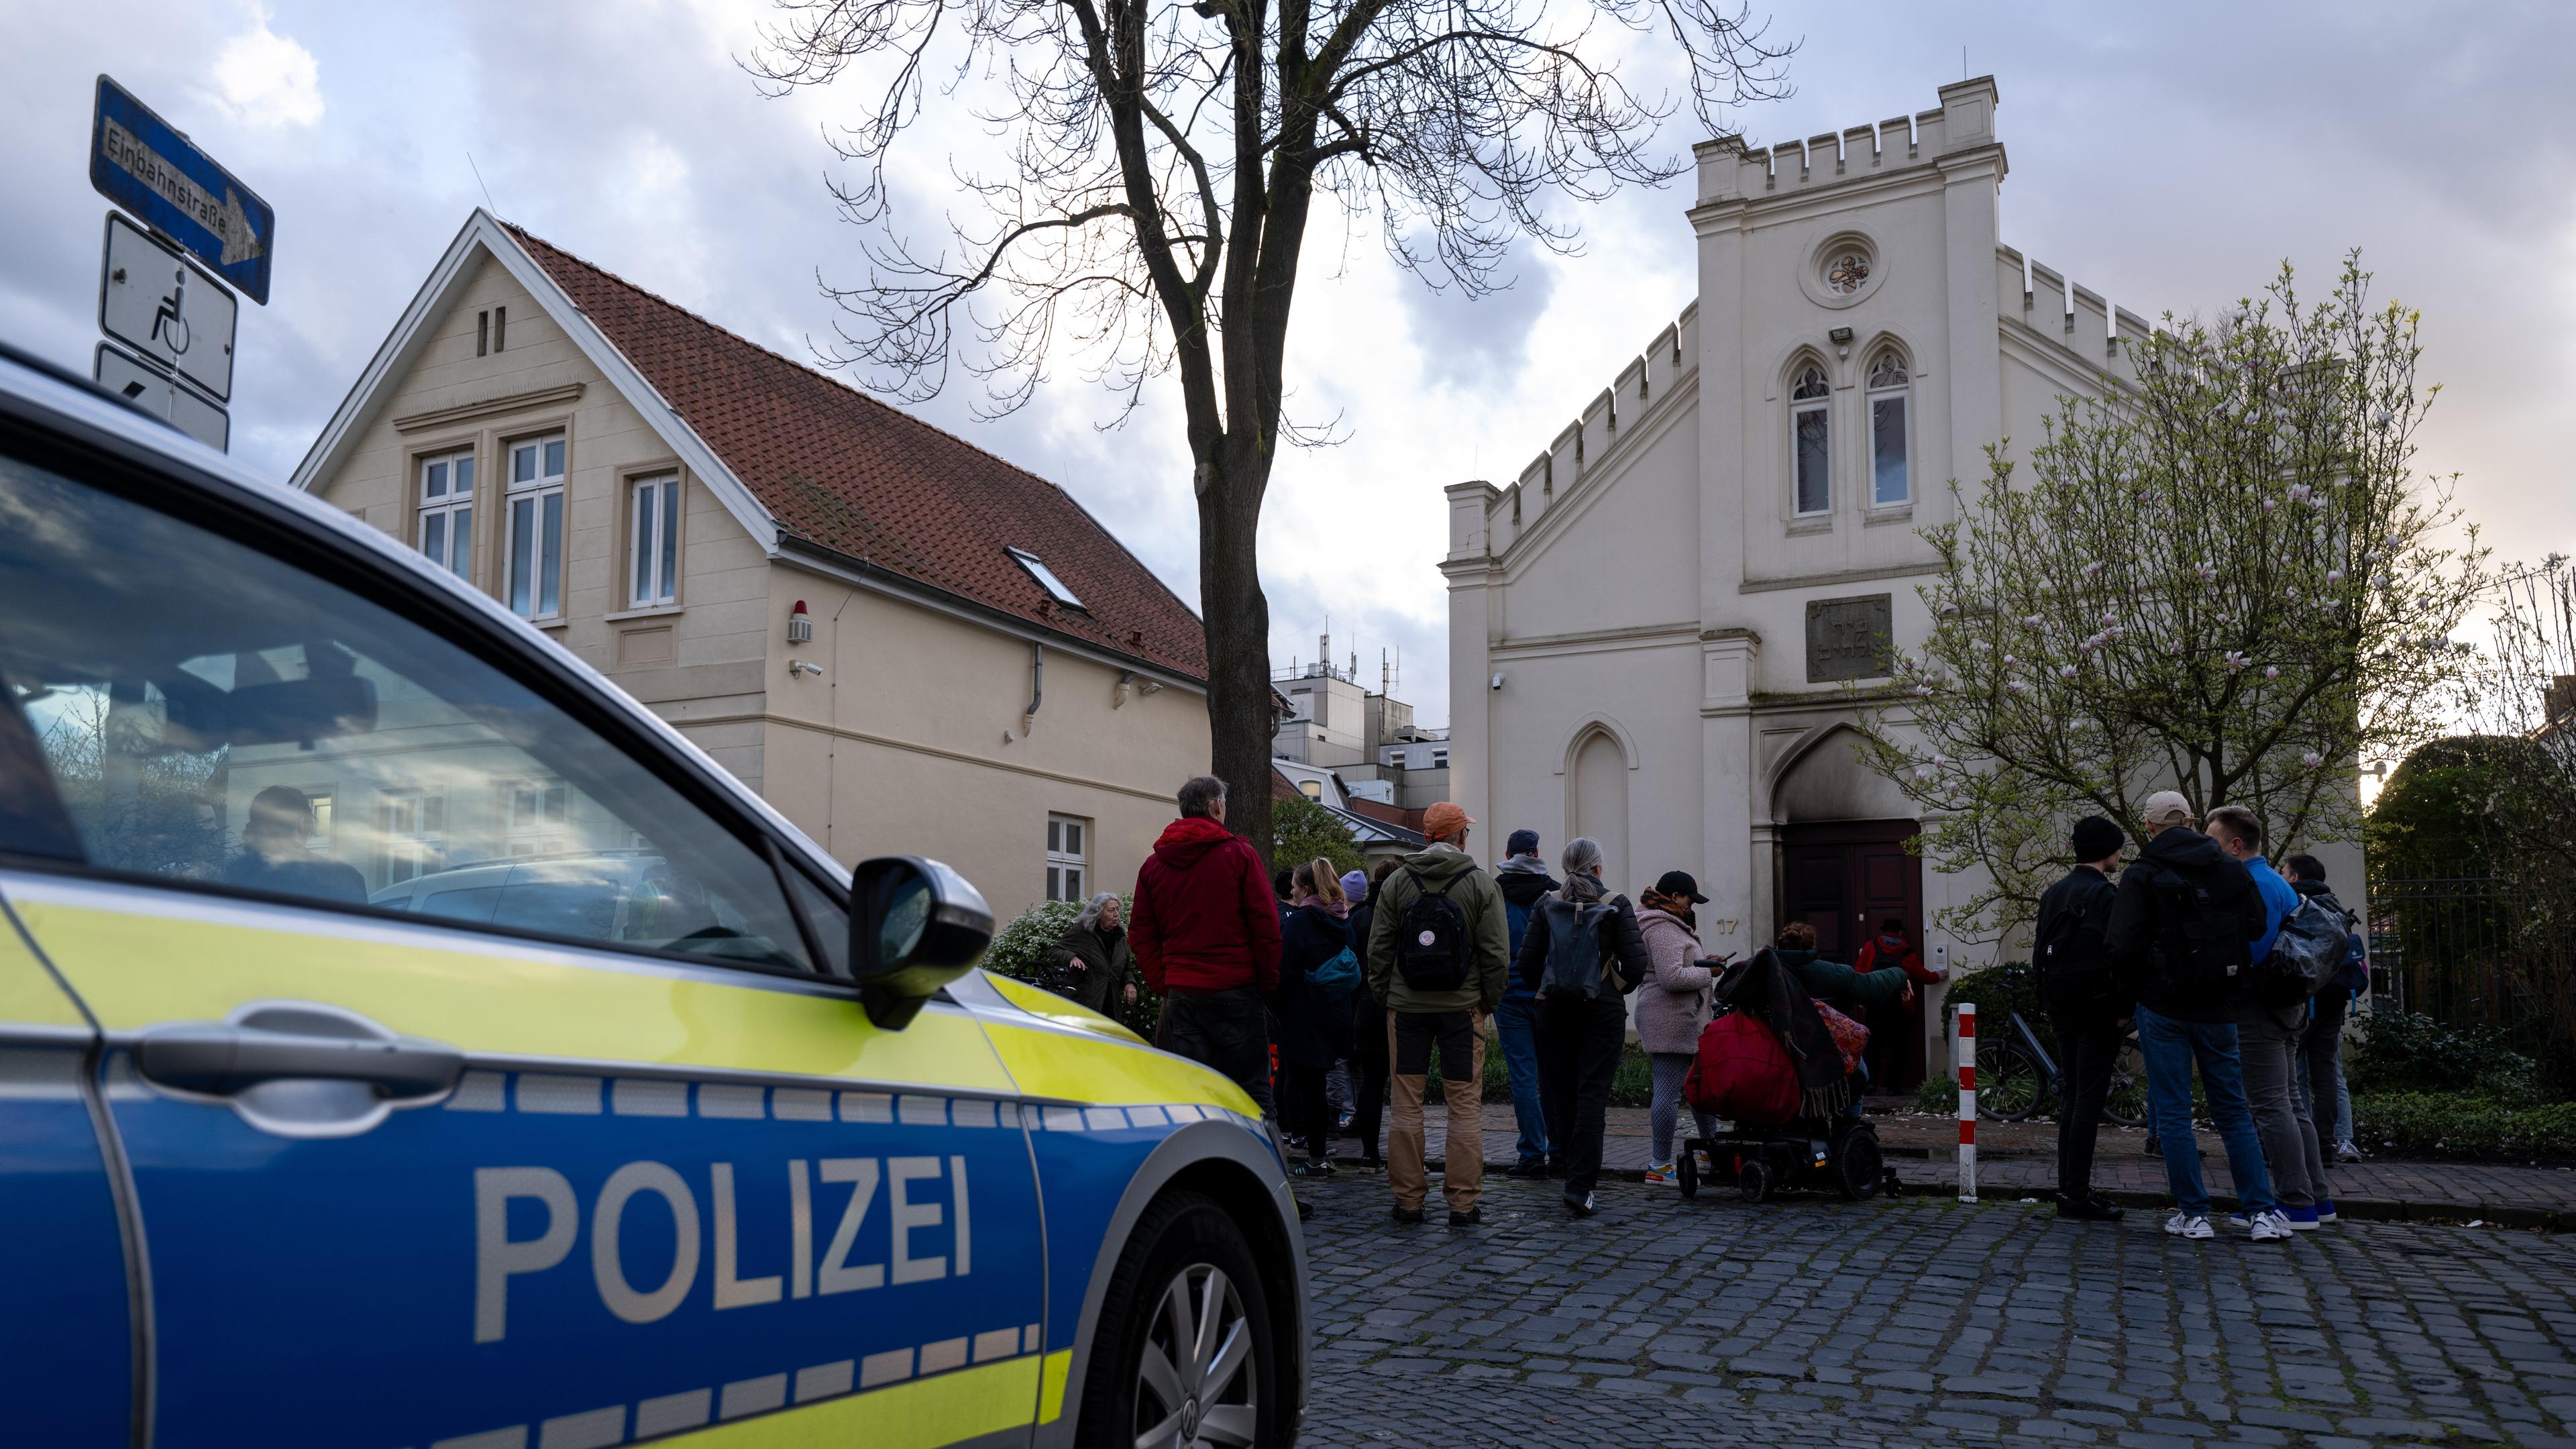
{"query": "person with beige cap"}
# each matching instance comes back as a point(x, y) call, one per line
point(2182, 924)
point(1439, 949)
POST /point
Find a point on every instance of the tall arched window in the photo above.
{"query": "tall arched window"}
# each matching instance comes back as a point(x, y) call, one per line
point(1810, 460)
point(1889, 385)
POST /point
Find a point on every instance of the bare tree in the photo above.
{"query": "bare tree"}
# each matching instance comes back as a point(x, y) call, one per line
point(1164, 163)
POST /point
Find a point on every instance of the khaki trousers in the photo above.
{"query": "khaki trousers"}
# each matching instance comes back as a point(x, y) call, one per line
point(1460, 1036)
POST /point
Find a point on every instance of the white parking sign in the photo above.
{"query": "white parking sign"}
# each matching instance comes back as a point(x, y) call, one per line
point(167, 308)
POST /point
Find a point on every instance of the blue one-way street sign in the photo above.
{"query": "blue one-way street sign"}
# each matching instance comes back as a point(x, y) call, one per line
point(137, 161)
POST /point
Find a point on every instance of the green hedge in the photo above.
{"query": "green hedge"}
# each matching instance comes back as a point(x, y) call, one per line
point(2463, 1128)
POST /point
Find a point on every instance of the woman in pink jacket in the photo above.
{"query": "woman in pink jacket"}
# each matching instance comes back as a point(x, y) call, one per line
point(1673, 1005)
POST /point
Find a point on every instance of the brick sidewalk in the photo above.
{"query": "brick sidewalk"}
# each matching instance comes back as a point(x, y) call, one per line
point(2018, 1159)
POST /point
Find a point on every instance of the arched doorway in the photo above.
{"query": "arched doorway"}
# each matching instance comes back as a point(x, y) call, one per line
point(1597, 777)
point(1843, 868)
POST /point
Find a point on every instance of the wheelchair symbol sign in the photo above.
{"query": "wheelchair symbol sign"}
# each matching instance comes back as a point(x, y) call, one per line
point(167, 309)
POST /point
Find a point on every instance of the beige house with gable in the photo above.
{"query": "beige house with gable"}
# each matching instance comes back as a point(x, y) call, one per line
point(900, 640)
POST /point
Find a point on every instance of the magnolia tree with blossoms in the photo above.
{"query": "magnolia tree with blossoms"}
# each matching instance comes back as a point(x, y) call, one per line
point(2225, 578)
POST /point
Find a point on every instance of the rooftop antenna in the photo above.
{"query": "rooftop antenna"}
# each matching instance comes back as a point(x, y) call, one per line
point(493, 206)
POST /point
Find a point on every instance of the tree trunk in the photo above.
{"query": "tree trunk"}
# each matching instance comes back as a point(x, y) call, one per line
point(1238, 633)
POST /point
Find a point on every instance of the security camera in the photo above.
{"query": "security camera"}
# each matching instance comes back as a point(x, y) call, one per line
point(796, 667)
point(1498, 681)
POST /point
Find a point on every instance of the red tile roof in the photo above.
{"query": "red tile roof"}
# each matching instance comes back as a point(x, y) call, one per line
point(849, 473)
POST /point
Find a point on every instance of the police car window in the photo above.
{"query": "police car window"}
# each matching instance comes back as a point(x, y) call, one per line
point(831, 922)
point(207, 713)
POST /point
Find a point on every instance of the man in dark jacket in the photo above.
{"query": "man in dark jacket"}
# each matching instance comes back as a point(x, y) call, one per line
point(2085, 1005)
point(2181, 924)
point(1522, 880)
point(1442, 1003)
point(1206, 933)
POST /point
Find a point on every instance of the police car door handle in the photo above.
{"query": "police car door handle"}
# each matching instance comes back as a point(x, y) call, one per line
point(223, 1058)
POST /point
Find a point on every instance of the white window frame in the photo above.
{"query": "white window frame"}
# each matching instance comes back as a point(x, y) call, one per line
point(546, 836)
point(1901, 393)
point(1821, 408)
point(550, 455)
point(319, 802)
point(653, 526)
point(1055, 587)
point(1440, 758)
point(451, 509)
point(1068, 858)
point(413, 833)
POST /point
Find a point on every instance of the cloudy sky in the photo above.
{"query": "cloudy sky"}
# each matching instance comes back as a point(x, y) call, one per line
point(2167, 156)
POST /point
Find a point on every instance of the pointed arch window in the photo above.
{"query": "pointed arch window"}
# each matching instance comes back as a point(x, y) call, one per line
point(1891, 388)
point(1810, 457)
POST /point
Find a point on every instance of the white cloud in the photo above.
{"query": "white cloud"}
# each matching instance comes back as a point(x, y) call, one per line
point(267, 79)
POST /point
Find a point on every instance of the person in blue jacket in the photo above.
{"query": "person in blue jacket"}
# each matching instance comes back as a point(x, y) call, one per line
point(1523, 879)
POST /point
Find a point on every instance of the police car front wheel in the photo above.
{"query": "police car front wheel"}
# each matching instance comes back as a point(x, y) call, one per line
point(1186, 1358)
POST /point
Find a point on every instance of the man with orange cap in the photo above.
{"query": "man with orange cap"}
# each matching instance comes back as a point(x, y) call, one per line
point(1439, 953)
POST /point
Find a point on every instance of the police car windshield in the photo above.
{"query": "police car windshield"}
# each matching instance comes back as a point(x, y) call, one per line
point(208, 713)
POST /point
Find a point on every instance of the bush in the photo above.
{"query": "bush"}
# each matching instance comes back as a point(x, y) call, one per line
point(1997, 992)
point(2428, 1124)
point(2407, 1052)
point(1019, 951)
point(1301, 830)
point(1939, 1095)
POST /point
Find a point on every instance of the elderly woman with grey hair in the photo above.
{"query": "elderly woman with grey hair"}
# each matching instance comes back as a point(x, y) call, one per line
point(1582, 955)
point(1091, 961)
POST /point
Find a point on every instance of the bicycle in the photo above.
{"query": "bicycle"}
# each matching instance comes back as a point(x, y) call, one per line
point(2018, 1079)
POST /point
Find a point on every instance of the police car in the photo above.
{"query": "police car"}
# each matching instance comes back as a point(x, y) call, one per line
point(740, 1152)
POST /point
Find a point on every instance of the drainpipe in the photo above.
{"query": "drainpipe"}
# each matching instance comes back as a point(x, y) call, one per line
point(1037, 688)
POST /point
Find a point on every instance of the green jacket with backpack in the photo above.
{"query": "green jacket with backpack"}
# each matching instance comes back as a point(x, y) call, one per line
point(1486, 943)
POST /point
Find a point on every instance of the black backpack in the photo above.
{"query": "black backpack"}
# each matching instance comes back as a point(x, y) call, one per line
point(2198, 949)
point(1573, 966)
point(2070, 950)
point(1431, 948)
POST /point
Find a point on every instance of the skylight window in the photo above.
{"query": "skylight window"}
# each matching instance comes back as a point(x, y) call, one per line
point(1046, 578)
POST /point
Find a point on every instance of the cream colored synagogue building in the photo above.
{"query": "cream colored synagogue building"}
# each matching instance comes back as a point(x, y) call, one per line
point(901, 641)
point(1655, 632)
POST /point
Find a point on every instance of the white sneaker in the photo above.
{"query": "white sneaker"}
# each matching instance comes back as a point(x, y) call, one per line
point(2271, 1226)
point(2190, 1225)
point(2347, 1152)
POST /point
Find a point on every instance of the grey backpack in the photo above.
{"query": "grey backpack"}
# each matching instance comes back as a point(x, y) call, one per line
point(2305, 956)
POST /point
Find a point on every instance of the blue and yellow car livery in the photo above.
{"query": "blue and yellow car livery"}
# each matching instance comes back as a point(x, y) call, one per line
point(288, 1171)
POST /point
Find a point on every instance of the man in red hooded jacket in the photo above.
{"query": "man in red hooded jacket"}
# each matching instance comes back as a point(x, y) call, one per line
point(1205, 930)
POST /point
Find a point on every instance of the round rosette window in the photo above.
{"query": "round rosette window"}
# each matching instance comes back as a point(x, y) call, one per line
point(1843, 270)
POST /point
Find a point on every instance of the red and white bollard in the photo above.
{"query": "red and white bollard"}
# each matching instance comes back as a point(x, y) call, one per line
point(1967, 1101)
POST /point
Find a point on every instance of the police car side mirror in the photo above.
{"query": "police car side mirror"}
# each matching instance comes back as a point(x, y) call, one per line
point(915, 926)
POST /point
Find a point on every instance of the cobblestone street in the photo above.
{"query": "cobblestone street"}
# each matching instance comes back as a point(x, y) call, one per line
point(1920, 1321)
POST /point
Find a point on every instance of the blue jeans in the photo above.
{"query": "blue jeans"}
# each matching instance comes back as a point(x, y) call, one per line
point(1520, 1063)
point(2171, 1047)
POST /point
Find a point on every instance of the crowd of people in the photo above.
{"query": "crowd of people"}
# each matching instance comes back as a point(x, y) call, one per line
point(1347, 992)
point(2182, 943)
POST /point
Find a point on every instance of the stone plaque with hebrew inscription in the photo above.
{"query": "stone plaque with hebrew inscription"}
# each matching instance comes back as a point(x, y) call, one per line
point(1849, 638)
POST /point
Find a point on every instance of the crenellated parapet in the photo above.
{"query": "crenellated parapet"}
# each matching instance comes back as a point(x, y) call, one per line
point(1731, 170)
point(2074, 316)
point(1670, 356)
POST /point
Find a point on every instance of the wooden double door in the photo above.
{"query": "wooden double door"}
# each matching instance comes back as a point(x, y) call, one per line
point(1843, 877)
